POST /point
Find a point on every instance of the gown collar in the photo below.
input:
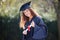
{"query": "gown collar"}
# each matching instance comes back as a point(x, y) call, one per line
point(32, 18)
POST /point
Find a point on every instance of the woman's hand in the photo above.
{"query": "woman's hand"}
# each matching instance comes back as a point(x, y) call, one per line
point(33, 24)
point(22, 23)
point(25, 32)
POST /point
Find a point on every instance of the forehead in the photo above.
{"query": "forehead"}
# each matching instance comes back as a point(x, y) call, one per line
point(26, 10)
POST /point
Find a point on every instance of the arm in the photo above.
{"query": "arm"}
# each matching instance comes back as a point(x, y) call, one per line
point(39, 24)
point(39, 29)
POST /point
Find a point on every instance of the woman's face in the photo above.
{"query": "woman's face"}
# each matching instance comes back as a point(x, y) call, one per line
point(27, 12)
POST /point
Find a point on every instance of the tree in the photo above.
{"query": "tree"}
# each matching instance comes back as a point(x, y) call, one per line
point(58, 17)
point(57, 9)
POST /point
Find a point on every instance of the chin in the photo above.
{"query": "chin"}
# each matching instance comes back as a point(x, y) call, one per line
point(28, 15)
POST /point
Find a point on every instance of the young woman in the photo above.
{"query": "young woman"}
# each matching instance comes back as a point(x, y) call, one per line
point(33, 26)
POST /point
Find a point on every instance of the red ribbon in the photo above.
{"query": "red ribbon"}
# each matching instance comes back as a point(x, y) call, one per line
point(28, 28)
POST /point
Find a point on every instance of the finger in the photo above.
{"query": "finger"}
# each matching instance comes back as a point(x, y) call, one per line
point(32, 21)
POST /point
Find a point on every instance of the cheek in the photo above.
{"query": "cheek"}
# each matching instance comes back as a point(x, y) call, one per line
point(26, 13)
point(29, 14)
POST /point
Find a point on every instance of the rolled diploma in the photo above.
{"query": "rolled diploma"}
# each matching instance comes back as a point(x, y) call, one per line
point(27, 28)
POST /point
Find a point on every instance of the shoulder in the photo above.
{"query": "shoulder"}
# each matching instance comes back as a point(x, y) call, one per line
point(37, 18)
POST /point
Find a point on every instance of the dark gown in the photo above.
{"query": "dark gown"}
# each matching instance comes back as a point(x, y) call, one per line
point(39, 32)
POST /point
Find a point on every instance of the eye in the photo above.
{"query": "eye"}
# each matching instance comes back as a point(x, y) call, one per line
point(26, 10)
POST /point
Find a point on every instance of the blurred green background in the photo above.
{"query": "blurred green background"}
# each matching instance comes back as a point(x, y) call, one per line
point(10, 17)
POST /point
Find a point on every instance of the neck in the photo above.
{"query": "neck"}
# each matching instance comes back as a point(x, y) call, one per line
point(30, 18)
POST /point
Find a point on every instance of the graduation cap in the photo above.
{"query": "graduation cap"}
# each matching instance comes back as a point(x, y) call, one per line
point(25, 6)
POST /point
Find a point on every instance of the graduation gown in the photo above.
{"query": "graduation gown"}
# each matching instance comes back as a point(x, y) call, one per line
point(38, 32)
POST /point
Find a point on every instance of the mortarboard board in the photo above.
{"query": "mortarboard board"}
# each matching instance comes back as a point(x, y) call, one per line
point(25, 6)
